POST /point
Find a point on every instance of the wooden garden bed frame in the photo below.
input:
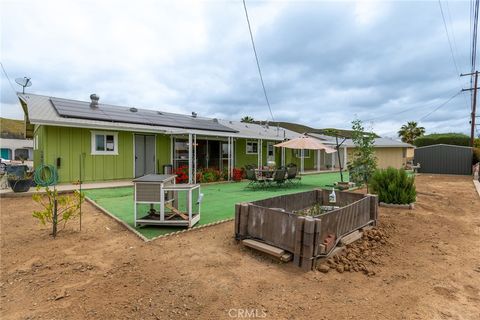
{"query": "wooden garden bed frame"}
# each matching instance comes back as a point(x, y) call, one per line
point(272, 221)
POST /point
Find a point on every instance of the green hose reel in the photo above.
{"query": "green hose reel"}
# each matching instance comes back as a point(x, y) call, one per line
point(46, 175)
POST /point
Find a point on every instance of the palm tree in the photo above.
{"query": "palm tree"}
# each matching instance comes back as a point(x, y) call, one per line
point(247, 119)
point(411, 131)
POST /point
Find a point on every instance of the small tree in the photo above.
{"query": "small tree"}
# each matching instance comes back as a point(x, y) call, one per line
point(57, 209)
point(364, 162)
point(247, 119)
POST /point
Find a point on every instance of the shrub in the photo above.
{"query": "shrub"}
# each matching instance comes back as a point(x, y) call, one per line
point(393, 186)
point(457, 139)
point(182, 174)
point(238, 174)
point(476, 155)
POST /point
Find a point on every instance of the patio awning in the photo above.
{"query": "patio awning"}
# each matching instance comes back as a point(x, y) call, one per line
point(305, 142)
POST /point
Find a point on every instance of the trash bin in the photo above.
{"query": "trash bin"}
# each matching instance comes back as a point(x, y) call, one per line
point(167, 169)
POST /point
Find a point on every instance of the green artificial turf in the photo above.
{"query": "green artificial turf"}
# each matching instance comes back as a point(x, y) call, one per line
point(218, 202)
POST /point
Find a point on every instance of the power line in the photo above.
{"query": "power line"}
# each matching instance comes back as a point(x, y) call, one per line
point(474, 36)
point(396, 113)
point(8, 78)
point(448, 37)
point(439, 106)
point(450, 42)
point(258, 63)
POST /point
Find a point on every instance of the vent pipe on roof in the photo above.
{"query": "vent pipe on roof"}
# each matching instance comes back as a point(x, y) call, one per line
point(94, 98)
point(194, 114)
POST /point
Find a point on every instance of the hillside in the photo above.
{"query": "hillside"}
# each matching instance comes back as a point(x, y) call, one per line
point(11, 128)
point(300, 128)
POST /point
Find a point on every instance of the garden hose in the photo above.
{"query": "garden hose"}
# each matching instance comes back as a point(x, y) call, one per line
point(46, 175)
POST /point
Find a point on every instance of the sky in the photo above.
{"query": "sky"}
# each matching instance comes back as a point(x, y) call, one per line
point(324, 63)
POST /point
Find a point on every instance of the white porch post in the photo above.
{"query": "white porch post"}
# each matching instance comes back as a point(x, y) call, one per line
point(283, 156)
point(229, 160)
point(194, 158)
point(302, 165)
point(345, 157)
point(333, 161)
point(318, 159)
point(190, 168)
point(259, 153)
point(172, 151)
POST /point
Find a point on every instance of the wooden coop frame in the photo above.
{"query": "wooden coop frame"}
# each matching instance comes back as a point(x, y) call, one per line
point(160, 189)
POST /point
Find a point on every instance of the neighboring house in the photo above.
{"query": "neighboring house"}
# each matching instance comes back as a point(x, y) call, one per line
point(17, 150)
point(389, 152)
point(109, 142)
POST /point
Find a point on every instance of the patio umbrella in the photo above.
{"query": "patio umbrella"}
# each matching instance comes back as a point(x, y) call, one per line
point(304, 142)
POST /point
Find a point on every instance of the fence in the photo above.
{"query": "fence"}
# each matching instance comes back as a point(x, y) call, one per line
point(274, 222)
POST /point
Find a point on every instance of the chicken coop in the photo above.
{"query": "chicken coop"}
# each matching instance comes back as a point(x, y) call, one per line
point(158, 201)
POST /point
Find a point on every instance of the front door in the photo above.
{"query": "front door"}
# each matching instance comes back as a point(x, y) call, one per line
point(144, 155)
point(270, 152)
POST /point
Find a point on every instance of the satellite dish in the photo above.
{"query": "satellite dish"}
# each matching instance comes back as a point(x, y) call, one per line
point(24, 82)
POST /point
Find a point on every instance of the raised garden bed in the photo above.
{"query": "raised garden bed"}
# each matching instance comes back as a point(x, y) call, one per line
point(281, 222)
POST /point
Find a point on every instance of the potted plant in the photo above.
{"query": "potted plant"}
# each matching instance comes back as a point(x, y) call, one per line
point(20, 183)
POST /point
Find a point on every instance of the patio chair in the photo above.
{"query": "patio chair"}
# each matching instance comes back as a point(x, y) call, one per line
point(254, 181)
point(292, 175)
point(278, 178)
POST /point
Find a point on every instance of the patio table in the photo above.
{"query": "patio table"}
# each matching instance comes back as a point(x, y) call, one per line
point(266, 173)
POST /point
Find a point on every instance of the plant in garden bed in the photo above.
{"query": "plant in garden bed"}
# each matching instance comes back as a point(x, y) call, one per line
point(57, 209)
point(315, 210)
point(393, 186)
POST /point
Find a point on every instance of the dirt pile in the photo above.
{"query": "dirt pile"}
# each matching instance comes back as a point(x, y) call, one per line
point(360, 256)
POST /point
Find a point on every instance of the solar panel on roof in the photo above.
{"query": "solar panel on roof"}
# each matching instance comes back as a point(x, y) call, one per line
point(82, 110)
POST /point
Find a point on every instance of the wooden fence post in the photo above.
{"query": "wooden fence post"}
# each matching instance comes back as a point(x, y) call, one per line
point(297, 254)
point(242, 221)
point(373, 208)
point(237, 220)
point(308, 243)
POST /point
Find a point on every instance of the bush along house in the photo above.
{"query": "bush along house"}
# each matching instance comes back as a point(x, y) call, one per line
point(107, 142)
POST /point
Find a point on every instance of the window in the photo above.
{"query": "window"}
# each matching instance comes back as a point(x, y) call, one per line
point(306, 153)
point(21, 154)
point(252, 147)
point(104, 143)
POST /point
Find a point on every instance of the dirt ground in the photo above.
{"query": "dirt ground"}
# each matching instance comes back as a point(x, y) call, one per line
point(431, 270)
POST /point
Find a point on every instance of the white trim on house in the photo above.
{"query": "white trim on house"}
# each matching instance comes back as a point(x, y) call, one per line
point(95, 152)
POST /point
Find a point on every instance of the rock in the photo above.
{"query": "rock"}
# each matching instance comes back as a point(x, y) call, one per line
point(61, 295)
point(323, 268)
point(340, 268)
point(351, 257)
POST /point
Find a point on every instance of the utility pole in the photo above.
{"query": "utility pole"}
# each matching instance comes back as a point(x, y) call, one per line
point(474, 105)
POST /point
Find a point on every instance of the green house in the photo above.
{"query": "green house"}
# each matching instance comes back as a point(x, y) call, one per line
point(107, 142)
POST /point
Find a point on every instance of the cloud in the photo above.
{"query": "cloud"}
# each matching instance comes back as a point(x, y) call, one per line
point(324, 63)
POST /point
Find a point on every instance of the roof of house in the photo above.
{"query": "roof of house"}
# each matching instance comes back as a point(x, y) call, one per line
point(379, 142)
point(46, 110)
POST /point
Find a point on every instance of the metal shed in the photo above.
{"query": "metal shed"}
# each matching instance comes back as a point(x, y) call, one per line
point(444, 159)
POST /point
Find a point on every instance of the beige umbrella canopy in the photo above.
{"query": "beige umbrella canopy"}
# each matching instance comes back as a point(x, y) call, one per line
point(304, 142)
